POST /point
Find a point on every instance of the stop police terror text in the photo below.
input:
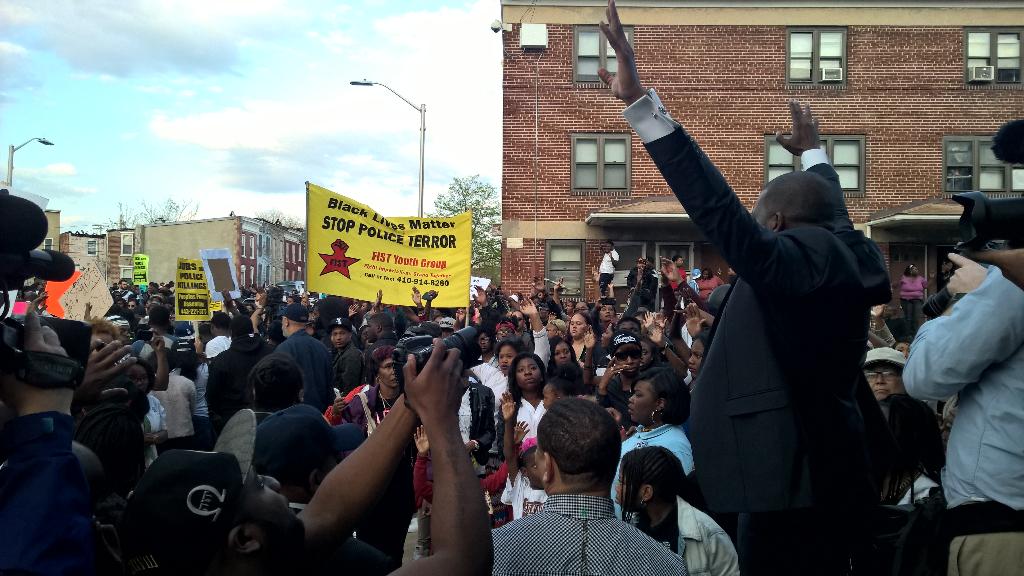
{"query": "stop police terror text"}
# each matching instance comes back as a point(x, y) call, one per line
point(414, 241)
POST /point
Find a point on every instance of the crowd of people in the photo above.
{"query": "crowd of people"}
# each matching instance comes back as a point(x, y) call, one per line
point(691, 423)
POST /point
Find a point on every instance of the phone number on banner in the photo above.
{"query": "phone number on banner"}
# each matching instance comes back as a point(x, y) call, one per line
point(407, 280)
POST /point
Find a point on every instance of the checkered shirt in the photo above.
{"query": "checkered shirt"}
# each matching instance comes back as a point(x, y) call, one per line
point(579, 535)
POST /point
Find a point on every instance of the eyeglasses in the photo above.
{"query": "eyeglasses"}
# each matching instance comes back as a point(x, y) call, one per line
point(628, 354)
point(880, 374)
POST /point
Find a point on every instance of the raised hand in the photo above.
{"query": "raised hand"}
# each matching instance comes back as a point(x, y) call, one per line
point(481, 296)
point(668, 268)
point(104, 365)
point(694, 319)
point(417, 299)
point(261, 299)
point(625, 84)
point(589, 340)
point(436, 391)
point(522, 429)
point(657, 331)
point(527, 307)
point(648, 321)
point(460, 315)
point(508, 407)
point(560, 285)
point(420, 438)
point(805, 131)
point(353, 309)
point(376, 304)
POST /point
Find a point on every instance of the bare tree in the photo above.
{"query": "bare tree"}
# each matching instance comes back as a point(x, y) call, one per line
point(277, 216)
point(169, 211)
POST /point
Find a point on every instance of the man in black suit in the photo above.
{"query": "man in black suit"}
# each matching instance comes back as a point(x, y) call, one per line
point(777, 433)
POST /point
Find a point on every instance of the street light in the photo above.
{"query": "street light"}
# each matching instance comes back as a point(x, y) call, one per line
point(10, 156)
point(423, 129)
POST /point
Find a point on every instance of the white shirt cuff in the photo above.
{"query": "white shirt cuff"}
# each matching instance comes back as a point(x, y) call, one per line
point(813, 158)
point(649, 118)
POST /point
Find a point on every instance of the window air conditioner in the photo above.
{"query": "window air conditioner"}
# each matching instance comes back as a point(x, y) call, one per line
point(981, 74)
point(831, 74)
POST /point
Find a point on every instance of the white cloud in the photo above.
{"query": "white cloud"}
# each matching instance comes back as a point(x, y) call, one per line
point(125, 38)
point(60, 169)
point(363, 140)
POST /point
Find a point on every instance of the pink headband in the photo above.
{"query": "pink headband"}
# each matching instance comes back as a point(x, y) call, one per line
point(526, 445)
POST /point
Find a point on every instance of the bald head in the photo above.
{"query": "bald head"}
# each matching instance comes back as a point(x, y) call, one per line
point(795, 199)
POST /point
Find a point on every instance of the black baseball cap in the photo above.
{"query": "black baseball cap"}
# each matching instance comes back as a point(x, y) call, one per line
point(622, 338)
point(340, 322)
point(296, 313)
point(183, 507)
point(293, 442)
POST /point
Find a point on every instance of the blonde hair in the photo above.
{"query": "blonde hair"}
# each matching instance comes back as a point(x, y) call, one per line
point(104, 326)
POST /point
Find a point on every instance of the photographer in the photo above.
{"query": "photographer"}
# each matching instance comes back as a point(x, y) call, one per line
point(45, 508)
point(975, 352)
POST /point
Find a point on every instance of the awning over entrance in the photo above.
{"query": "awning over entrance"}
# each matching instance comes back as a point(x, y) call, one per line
point(933, 221)
point(651, 210)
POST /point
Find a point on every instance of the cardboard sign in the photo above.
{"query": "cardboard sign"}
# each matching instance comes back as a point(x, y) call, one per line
point(477, 282)
point(220, 273)
point(191, 296)
point(89, 292)
point(354, 251)
point(140, 270)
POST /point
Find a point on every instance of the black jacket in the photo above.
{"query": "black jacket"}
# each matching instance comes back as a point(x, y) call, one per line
point(228, 389)
point(775, 421)
point(481, 403)
point(645, 290)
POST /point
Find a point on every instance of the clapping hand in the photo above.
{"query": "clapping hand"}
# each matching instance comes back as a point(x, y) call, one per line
point(625, 84)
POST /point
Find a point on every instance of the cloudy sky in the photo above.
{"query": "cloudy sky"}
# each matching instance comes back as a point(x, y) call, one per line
point(233, 104)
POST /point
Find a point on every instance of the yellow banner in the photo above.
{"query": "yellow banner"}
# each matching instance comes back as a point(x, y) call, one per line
point(191, 295)
point(140, 269)
point(353, 251)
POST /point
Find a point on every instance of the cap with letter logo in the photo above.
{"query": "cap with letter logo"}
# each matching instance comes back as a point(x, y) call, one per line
point(182, 509)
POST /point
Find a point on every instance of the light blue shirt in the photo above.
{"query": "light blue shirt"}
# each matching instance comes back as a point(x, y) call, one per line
point(667, 436)
point(977, 352)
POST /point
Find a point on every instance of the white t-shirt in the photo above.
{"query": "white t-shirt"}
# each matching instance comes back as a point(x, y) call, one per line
point(492, 378)
point(608, 261)
point(523, 498)
point(217, 345)
point(531, 415)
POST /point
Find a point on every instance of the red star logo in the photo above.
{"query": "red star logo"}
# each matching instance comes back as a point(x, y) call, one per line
point(338, 261)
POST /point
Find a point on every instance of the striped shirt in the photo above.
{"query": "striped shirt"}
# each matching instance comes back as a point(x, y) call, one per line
point(579, 535)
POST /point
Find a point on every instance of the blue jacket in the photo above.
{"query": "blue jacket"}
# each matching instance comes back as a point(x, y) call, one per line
point(317, 372)
point(45, 509)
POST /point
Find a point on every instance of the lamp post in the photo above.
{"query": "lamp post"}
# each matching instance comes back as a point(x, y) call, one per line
point(10, 156)
point(423, 129)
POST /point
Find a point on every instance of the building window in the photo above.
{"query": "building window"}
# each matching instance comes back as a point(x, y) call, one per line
point(845, 152)
point(91, 247)
point(816, 56)
point(998, 49)
point(243, 246)
point(244, 277)
point(970, 165)
point(600, 162)
point(252, 246)
point(127, 244)
point(126, 273)
point(565, 260)
point(592, 52)
point(48, 244)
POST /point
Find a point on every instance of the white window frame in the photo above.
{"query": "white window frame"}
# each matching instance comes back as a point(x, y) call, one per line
point(92, 247)
point(130, 242)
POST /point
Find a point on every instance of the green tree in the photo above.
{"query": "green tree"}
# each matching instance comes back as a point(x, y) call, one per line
point(482, 199)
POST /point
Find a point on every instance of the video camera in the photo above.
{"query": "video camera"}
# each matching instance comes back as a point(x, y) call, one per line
point(421, 347)
point(23, 225)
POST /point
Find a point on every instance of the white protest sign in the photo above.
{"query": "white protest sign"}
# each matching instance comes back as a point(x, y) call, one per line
point(90, 289)
point(477, 282)
point(219, 267)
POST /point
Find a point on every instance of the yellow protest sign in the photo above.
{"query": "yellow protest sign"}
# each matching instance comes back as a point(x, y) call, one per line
point(353, 251)
point(216, 306)
point(140, 269)
point(191, 295)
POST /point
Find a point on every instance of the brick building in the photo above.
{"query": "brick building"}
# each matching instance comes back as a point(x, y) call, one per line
point(83, 247)
point(908, 94)
point(121, 248)
point(270, 252)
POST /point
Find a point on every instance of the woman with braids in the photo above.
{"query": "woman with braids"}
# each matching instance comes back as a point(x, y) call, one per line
point(651, 496)
point(115, 435)
point(659, 406)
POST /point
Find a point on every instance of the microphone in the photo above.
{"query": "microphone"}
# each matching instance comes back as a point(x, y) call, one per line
point(45, 264)
point(22, 224)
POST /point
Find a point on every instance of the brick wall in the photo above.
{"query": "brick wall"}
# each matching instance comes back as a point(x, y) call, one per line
point(727, 85)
